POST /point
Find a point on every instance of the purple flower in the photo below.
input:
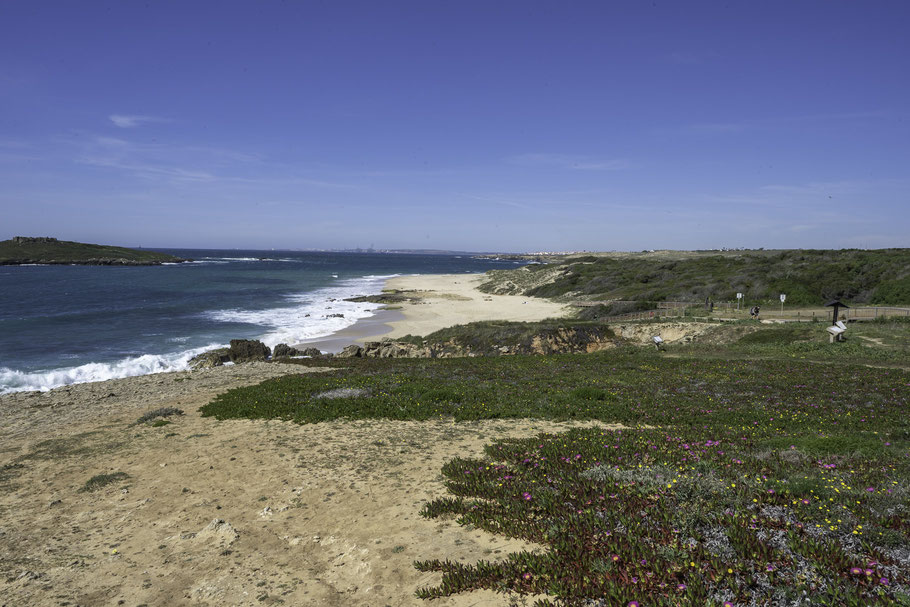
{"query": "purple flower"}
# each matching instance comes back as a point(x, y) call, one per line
point(856, 571)
point(883, 581)
point(681, 587)
point(526, 495)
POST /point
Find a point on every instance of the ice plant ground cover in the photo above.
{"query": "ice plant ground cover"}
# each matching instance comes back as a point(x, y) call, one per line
point(736, 482)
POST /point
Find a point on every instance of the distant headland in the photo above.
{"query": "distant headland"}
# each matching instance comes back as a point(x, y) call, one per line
point(21, 250)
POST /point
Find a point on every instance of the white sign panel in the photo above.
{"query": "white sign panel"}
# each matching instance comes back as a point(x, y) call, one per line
point(739, 296)
point(783, 297)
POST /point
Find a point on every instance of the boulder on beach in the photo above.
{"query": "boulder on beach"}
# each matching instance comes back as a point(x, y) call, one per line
point(246, 350)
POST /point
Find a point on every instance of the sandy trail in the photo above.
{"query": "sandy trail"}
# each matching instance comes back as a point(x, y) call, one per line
point(224, 513)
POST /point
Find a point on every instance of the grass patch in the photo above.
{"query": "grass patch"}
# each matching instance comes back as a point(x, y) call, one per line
point(99, 481)
point(487, 336)
point(748, 481)
point(156, 414)
point(695, 516)
point(82, 444)
point(808, 277)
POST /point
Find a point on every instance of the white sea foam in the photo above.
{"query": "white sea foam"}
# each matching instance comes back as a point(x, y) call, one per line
point(288, 324)
point(12, 380)
point(232, 259)
point(311, 314)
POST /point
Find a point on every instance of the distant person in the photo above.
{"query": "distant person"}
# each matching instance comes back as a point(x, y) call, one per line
point(754, 312)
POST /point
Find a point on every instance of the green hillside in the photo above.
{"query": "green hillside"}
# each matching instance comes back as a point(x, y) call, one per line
point(808, 277)
point(22, 250)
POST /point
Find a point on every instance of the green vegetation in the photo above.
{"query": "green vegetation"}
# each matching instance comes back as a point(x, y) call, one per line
point(743, 472)
point(882, 342)
point(808, 277)
point(155, 415)
point(100, 481)
point(486, 336)
point(22, 250)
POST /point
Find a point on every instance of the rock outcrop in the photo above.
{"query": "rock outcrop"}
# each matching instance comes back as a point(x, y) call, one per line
point(212, 358)
point(389, 349)
point(284, 350)
point(246, 350)
point(559, 341)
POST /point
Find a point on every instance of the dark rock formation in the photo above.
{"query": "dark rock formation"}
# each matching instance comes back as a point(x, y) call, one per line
point(388, 297)
point(246, 350)
point(284, 350)
point(555, 341)
point(212, 358)
point(31, 239)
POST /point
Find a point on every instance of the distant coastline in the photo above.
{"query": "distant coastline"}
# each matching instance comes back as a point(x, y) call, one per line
point(45, 250)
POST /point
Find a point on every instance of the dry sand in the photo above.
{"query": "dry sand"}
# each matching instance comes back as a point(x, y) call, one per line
point(240, 512)
point(444, 300)
point(224, 513)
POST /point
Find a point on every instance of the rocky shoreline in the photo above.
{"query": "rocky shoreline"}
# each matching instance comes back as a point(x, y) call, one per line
point(559, 340)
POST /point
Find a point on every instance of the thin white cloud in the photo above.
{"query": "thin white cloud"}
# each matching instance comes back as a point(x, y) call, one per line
point(150, 170)
point(500, 201)
point(570, 162)
point(183, 164)
point(129, 121)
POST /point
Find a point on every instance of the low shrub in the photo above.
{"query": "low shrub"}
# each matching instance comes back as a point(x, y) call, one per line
point(100, 481)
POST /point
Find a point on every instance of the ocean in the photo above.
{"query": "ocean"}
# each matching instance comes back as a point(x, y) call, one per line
point(70, 324)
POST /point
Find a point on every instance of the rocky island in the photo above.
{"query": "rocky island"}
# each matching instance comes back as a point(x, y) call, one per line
point(46, 250)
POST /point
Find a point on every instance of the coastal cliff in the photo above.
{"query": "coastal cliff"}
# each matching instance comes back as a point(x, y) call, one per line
point(21, 250)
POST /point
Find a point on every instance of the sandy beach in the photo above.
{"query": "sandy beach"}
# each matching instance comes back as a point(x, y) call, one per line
point(239, 512)
point(444, 300)
point(437, 301)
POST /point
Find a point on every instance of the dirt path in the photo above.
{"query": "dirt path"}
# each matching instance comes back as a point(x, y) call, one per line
point(224, 513)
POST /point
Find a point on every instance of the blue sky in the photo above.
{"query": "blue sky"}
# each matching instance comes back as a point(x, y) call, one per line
point(463, 125)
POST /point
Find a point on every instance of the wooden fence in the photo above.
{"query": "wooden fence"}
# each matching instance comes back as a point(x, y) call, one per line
point(679, 310)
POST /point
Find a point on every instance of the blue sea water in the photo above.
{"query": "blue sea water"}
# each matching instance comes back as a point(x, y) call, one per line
point(69, 324)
